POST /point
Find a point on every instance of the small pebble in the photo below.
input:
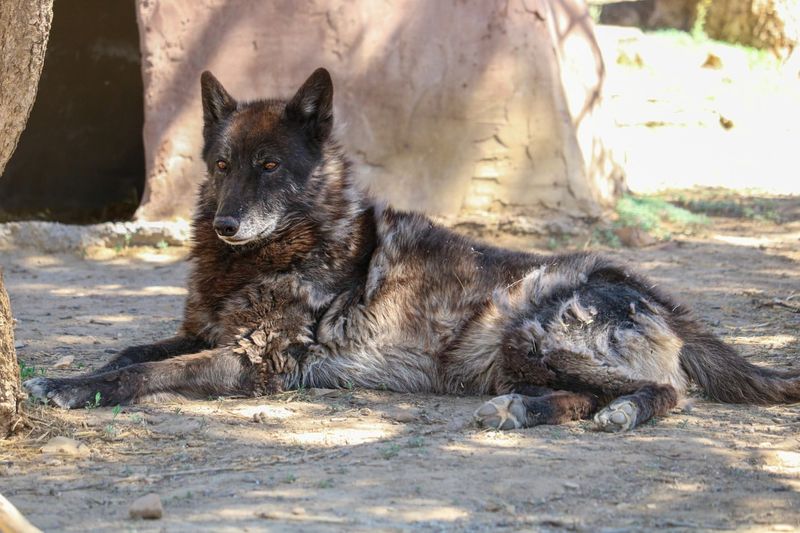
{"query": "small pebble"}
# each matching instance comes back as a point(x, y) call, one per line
point(458, 424)
point(319, 392)
point(64, 362)
point(65, 446)
point(401, 415)
point(147, 507)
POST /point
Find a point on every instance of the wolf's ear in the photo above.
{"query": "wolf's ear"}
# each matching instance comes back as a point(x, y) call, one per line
point(217, 103)
point(312, 106)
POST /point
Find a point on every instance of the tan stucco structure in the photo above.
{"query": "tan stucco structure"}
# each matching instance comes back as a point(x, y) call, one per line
point(447, 106)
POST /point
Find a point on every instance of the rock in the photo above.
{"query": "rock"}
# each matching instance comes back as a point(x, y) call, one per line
point(458, 423)
point(65, 446)
point(319, 393)
point(492, 507)
point(53, 237)
point(496, 506)
point(147, 507)
point(403, 416)
point(713, 62)
point(634, 237)
point(64, 362)
point(725, 122)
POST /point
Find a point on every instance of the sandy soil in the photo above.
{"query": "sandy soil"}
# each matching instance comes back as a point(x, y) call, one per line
point(366, 460)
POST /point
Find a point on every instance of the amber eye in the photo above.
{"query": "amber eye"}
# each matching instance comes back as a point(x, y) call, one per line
point(222, 165)
point(269, 166)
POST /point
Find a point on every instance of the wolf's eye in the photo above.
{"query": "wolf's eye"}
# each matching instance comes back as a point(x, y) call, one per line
point(269, 166)
point(222, 165)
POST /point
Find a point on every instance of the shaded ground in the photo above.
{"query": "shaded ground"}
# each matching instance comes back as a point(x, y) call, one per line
point(365, 460)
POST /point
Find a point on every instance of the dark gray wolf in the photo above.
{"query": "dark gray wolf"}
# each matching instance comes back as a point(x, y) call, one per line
point(300, 279)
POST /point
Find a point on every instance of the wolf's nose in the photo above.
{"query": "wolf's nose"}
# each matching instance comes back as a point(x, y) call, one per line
point(226, 226)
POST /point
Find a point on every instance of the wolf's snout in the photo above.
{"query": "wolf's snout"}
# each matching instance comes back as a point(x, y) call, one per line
point(226, 226)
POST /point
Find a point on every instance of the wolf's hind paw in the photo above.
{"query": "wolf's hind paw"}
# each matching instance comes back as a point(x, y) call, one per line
point(503, 412)
point(619, 415)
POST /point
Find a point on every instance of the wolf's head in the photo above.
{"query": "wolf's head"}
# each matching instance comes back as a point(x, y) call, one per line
point(260, 154)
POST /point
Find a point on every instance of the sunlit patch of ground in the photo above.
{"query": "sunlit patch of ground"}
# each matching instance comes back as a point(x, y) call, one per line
point(680, 124)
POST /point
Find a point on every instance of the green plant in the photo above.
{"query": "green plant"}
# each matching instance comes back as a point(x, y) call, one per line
point(416, 442)
point(648, 213)
point(96, 403)
point(27, 372)
point(391, 451)
point(653, 214)
point(126, 242)
point(162, 244)
point(111, 428)
point(605, 236)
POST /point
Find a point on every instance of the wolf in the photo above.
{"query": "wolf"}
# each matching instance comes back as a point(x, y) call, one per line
point(301, 279)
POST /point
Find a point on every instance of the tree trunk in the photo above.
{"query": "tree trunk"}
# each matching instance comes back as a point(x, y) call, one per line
point(24, 29)
point(9, 371)
point(768, 24)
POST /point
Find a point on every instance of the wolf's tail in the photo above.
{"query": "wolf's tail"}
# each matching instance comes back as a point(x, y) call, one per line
point(727, 377)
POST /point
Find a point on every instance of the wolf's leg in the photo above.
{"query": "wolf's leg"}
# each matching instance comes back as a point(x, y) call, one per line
point(218, 372)
point(512, 411)
point(157, 351)
point(631, 410)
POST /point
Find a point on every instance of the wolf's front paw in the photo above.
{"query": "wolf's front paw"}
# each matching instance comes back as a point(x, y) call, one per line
point(60, 392)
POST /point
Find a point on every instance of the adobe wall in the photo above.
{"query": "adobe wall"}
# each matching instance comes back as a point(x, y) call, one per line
point(447, 106)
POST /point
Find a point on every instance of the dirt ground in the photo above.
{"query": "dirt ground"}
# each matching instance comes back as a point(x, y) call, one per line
point(365, 460)
point(361, 460)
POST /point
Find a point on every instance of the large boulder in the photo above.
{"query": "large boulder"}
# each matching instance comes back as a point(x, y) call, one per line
point(768, 24)
point(447, 106)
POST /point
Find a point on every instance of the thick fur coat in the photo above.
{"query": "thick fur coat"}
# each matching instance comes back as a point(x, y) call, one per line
point(301, 279)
